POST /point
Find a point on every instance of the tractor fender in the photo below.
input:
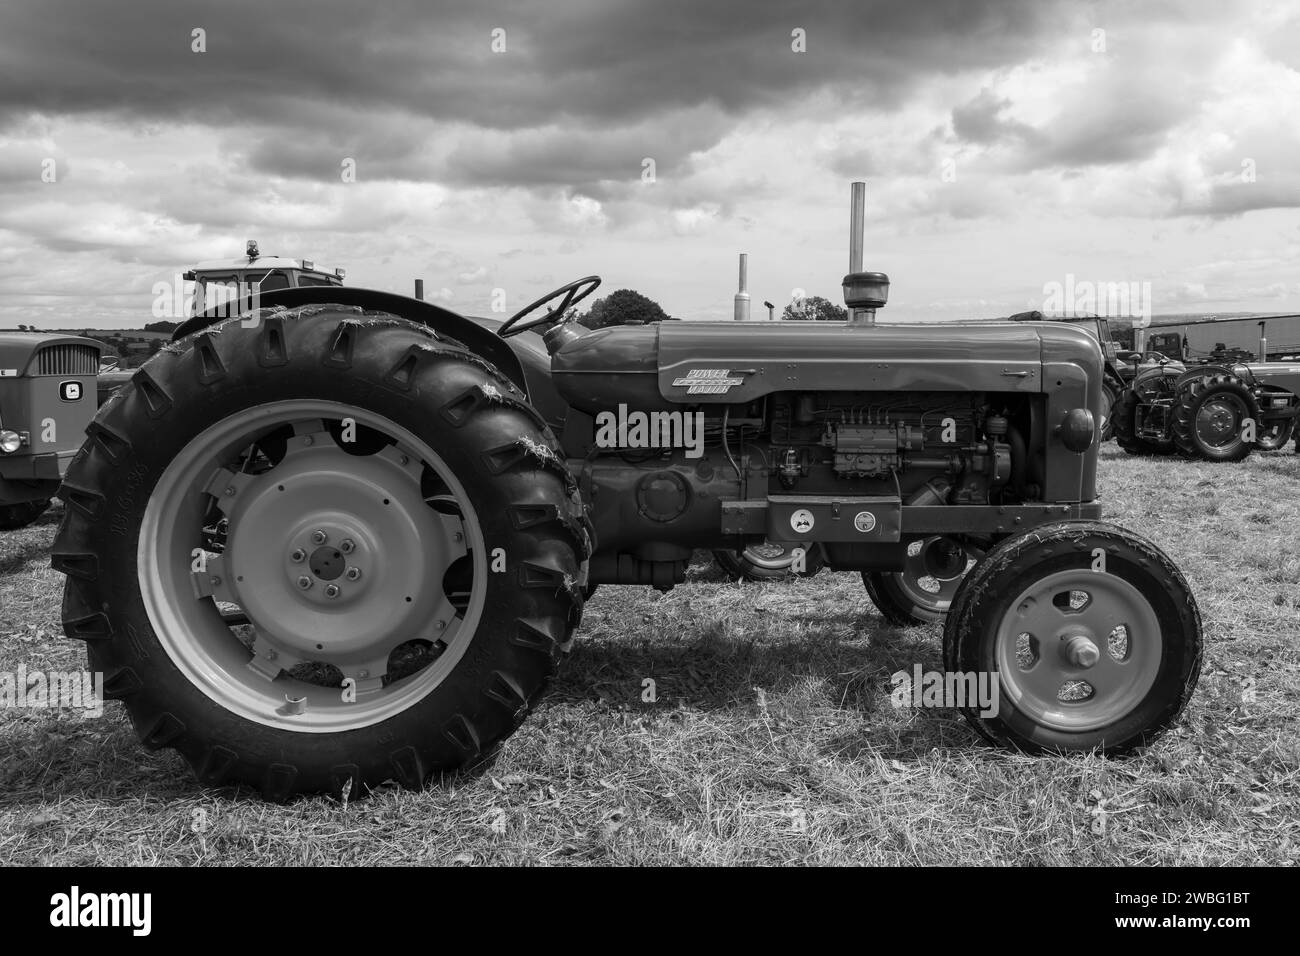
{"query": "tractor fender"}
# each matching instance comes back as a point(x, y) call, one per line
point(1197, 372)
point(443, 321)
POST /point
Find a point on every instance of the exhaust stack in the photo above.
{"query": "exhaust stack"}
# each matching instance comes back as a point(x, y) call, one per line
point(742, 297)
point(1263, 344)
point(864, 292)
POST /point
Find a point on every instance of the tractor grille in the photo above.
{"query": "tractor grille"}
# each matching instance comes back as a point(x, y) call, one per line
point(65, 360)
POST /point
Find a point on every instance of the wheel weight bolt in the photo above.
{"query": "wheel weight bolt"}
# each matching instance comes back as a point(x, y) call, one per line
point(304, 582)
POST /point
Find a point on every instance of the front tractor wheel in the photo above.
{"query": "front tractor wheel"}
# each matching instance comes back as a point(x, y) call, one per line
point(1091, 632)
point(1275, 437)
point(1210, 418)
point(322, 552)
point(922, 592)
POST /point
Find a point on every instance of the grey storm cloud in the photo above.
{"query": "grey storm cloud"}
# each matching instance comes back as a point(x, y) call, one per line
point(316, 81)
point(980, 120)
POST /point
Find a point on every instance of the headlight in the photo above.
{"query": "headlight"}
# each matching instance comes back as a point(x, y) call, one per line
point(10, 442)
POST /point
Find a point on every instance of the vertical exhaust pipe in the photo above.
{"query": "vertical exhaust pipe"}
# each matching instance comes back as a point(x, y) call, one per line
point(1263, 344)
point(864, 292)
point(857, 224)
point(419, 288)
point(742, 297)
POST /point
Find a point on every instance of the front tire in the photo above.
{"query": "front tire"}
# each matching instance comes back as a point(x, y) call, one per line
point(1093, 634)
point(1276, 436)
point(222, 505)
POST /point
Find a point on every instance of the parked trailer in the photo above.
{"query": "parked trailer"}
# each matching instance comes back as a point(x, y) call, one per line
point(1261, 337)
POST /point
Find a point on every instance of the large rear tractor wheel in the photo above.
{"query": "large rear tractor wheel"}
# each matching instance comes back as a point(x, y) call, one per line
point(320, 552)
point(1123, 423)
point(922, 592)
point(770, 561)
point(21, 514)
point(1092, 633)
point(1210, 418)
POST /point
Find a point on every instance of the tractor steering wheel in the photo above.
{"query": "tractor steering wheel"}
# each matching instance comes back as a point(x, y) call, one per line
point(573, 293)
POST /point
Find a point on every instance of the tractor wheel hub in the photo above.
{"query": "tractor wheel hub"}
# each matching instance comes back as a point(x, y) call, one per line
point(333, 555)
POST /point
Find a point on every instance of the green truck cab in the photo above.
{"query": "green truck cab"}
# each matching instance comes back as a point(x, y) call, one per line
point(47, 398)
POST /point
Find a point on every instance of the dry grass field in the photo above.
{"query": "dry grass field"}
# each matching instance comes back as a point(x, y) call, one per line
point(772, 740)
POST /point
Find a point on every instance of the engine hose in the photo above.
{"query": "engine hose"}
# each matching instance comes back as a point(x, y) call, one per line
point(1019, 460)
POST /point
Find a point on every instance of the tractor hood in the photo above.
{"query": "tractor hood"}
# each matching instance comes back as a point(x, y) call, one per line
point(62, 354)
point(688, 363)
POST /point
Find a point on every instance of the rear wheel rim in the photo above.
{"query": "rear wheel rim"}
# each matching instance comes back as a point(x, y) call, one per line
point(1078, 650)
point(336, 560)
point(1219, 420)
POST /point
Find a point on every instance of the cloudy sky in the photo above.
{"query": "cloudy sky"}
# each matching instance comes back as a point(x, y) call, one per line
point(1005, 145)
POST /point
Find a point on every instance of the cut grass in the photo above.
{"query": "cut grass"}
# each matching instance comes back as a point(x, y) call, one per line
point(772, 739)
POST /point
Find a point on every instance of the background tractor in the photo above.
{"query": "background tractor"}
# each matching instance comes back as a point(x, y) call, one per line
point(345, 537)
point(1214, 412)
point(47, 388)
point(222, 284)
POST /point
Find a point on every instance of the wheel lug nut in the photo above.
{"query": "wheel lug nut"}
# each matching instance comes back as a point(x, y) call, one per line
point(1082, 652)
point(353, 574)
point(319, 537)
point(298, 556)
point(331, 590)
point(304, 582)
point(347, 546)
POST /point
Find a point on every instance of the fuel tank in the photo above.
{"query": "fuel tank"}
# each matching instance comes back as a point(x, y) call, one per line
point(662, 365)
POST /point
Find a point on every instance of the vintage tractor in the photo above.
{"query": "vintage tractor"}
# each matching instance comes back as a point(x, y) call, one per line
point(47, 398)
point(345, 537)
point(222, 284)
point(1213, 412)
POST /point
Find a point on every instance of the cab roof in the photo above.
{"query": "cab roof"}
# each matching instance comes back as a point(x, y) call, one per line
point(240, 263)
